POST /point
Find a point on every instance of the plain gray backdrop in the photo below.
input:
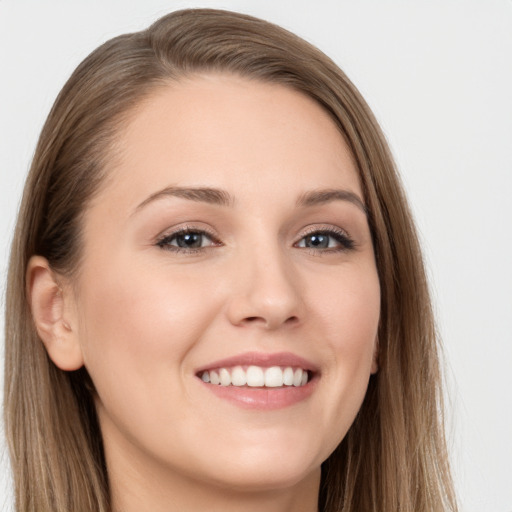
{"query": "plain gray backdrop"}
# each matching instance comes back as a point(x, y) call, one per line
point(438, 75)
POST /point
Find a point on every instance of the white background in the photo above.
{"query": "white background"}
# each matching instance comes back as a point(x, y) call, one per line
point(438, 75)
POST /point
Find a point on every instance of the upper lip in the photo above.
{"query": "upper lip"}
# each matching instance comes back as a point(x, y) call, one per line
point(263, 359)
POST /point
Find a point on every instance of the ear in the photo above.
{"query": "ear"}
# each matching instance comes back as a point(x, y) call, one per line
point(375, 360)
point(51, 308)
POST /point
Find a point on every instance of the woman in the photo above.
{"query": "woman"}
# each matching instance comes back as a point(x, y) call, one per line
point(218, 290)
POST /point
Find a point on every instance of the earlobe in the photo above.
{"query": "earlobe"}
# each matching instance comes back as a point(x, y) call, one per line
point(49, 305)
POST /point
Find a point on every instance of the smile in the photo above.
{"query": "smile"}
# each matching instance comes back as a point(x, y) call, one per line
point(261, 381)
point(256, 376)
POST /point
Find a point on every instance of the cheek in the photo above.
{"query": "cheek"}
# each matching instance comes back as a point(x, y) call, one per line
point(348, 309)
point(136, 318)
point(138, 324)
point(348, 306)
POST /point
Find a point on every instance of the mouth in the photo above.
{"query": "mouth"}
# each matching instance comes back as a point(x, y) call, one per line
point(257, 376)
point(260, 381)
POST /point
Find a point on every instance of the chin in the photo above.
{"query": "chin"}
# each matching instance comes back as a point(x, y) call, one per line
point(266, 468)
point(248, 478)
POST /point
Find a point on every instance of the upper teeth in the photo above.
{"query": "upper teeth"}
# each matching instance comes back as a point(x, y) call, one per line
point(256, 376)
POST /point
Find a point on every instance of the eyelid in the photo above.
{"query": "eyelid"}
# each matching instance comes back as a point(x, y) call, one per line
point(323, 228)
point(185, 227)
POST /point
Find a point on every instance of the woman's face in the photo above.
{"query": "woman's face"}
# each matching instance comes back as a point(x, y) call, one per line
point(230, 243)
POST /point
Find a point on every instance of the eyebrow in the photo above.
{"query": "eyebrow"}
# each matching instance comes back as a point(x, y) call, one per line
point(199, 194)
point(322, 196)
point(220, 197)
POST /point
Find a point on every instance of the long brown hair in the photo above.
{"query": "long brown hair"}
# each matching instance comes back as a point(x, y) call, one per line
point(394, 455)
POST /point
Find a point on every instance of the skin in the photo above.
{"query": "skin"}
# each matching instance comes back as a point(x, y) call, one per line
point(143, 317)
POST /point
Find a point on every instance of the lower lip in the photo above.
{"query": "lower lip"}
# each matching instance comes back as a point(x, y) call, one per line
point(263, 398)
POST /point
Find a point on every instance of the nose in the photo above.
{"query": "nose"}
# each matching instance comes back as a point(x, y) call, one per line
point(266, 292)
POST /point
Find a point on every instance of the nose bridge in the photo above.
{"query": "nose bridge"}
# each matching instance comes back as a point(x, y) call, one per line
point(267, 287)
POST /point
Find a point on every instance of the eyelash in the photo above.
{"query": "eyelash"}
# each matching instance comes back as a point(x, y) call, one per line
point(165, 241)
point(341, 237)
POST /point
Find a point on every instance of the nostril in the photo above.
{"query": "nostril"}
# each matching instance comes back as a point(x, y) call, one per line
point(270, 322)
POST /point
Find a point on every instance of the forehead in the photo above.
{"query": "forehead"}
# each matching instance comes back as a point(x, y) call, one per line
point(222, 130)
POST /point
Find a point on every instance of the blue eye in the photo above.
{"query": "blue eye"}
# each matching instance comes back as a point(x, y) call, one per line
point(325, 239)
point(186, 240)
point(193, 240)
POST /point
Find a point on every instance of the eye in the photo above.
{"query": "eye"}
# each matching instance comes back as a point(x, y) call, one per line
point(190, 240)
point(335, 240)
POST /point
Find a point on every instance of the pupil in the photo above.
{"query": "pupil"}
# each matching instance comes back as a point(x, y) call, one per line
point(189, 240)
point(317, 241)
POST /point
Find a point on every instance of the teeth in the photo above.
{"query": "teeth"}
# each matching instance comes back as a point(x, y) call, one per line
point(274, 377)
point(288, 376)
point(214, 377)
point(225, 377)
point(256, 376)
point(238, 377)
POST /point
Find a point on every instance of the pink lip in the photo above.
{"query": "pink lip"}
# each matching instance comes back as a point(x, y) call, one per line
point(260, 398)
point(263, 398)
point(261, 359)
